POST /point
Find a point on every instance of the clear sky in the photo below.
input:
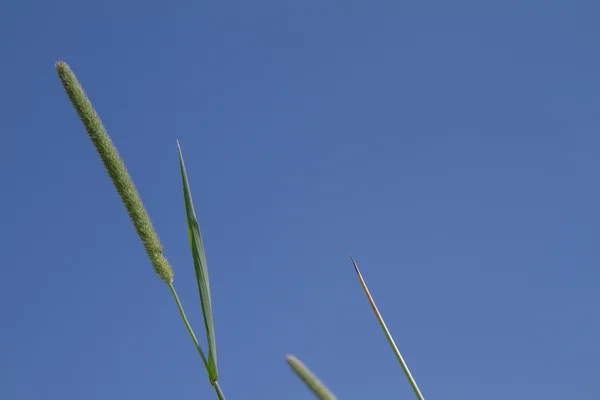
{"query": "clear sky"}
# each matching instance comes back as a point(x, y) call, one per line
point(451, 147)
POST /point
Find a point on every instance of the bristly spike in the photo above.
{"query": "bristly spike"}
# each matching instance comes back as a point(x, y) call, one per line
point(310, 379)
point(116, 170)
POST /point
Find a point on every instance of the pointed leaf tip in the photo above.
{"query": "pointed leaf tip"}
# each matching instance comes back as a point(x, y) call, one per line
point(200, 269)
point(355, 267)
point(388, 334)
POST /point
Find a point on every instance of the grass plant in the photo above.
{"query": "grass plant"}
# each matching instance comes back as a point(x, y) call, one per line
point(124, 186)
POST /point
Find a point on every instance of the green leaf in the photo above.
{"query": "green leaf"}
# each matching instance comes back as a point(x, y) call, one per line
point(387, 333)
point(310, 379)
point(201, 271)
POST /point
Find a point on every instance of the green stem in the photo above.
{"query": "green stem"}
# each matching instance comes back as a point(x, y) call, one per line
point(215, 384)
point(187, 325)
point(220, 394)
point(412, 381)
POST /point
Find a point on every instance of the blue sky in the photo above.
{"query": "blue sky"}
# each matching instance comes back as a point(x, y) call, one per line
point(451, 147)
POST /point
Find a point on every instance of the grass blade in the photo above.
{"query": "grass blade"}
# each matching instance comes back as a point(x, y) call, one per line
point(388, 335)
point(201, 271)
point(310, 379)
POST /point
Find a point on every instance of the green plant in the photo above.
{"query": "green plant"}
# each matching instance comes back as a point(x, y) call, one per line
point(141, 221)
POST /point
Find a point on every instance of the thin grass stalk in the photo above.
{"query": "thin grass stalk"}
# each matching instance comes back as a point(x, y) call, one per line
point(310, 379)
point(218, 390)
point(187, 325)
point(387, 333)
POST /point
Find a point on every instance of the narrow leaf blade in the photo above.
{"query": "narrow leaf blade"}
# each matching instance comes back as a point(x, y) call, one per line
point(201, 270)
point(310, 379)
point(387, 333)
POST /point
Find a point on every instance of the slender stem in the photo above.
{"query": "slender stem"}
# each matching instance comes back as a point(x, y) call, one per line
point(187, 325)
point(388, 335)
point(215, 384)
point(220, 394)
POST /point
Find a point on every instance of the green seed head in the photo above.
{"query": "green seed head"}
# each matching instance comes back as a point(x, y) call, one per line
point(116, 170)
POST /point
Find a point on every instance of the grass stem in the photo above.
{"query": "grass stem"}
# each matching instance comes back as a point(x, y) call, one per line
point(187, 325)
point(220, 394)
